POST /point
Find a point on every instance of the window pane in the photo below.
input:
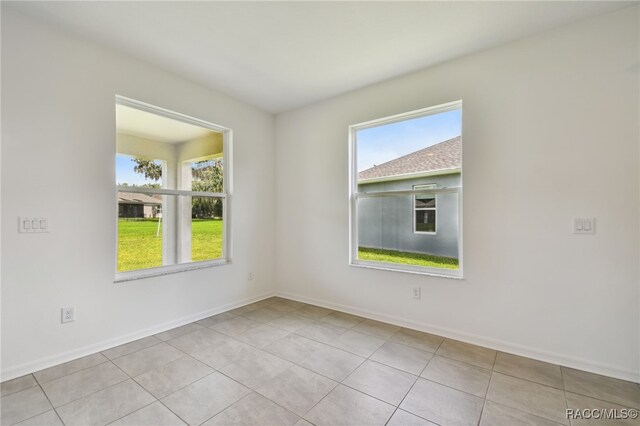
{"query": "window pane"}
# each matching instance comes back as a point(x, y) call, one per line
point(140, 231)
point(423, 202)
point(206, 175)
point(206, 228)
point(386, 231)
point(138, 171)
point(425, 221)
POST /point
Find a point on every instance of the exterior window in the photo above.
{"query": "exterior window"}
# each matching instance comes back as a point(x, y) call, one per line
point(406, 190)
point(425, 211)
point(172, 179)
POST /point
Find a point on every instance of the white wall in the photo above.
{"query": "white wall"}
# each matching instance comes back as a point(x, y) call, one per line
point(550, 130)
point(58, 143)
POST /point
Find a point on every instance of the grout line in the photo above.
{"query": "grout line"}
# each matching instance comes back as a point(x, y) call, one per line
point(331, 343)
point(134, 411)
point(72, 373)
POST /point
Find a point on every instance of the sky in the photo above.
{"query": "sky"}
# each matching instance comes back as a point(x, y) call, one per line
point(380, 144)
point(125, 173)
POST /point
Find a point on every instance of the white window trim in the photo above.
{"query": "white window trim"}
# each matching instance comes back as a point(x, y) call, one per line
point(227, 154)
point(415, 209)
point(354, 195)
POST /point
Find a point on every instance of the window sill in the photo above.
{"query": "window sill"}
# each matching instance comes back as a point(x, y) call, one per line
point(409, 269)
point(166, 270)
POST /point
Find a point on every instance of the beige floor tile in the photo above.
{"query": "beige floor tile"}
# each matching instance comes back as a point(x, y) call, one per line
point(224, 352)
point(342, 319)
point(465, 352)
point(49, 418)
point(235, 326)
point(358, 343)
point(70, 367)
point(376, 328)
point(131, 347)
point(283, 307)
point(533, 398)
point(265, 314)
point(580, 402)
point(23, 405)
point(74, 386)
point(291, 322)
point(529, 369)
point(244, 309)
point(602, 387)
point(313, 312)
point(322, 332)
point(495, 414)
point(17, 385)
point(255, 368)
point(262, 335)
point(178, 331)
point(417, 339)
point(297, 389)
point(155, 414)
point(205, 398)
point(442, 405)
point(106, 405)
point(402, 357)
point(302, 422)
point(215, 319)
point(198, 340)
point(293, 303)
point(148, 359)
point(402, 418)
point(254, 409)
point(458, 375)
point(345, 406)
point(323, 359)
point(383, 382)
point(172, 376)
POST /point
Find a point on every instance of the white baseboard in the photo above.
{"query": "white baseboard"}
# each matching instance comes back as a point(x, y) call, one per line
point(40, 364)
point(500, 345)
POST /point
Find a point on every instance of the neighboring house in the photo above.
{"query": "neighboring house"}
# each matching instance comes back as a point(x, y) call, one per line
point(131, 205)
point(420, 224)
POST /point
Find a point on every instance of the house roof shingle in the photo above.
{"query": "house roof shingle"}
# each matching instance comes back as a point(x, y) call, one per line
point(441, 156)
point(135, 198)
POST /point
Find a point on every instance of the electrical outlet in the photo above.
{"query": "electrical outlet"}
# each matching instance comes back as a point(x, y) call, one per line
point(68, 315)
point(416, 292)
point(250, 276)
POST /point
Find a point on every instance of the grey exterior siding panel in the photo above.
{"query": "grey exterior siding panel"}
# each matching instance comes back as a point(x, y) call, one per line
point(387, 223)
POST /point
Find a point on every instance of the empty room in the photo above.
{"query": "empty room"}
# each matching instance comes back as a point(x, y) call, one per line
point(320, 213)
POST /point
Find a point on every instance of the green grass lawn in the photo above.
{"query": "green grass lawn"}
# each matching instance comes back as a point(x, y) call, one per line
point(392, 256)
point(140, 248)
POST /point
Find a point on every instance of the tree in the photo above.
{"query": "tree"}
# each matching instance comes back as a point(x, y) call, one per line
point(148, 168)
point(207, 177)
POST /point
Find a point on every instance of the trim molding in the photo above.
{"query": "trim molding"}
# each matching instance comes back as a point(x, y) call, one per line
point(40, 364)
point(499, 345)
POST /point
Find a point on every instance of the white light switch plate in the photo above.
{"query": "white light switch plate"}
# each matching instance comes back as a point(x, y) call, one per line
point(584, 225)
point(29, 224)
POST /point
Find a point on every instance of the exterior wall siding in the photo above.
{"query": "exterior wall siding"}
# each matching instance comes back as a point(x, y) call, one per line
point(387, 223)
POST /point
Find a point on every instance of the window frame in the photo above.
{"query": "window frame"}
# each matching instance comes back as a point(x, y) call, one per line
point(225, 195)
point(355, 195)
point(415, 209)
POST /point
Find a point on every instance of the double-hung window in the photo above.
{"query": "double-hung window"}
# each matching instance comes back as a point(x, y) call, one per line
point(406, 192)
point(425, 214)
point(173, 189)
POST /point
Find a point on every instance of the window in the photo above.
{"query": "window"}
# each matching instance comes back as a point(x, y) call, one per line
point(406, 190)
point(173, 184)
point(424, 219)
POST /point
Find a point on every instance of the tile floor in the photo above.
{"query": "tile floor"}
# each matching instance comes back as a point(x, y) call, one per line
point(281, 362)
